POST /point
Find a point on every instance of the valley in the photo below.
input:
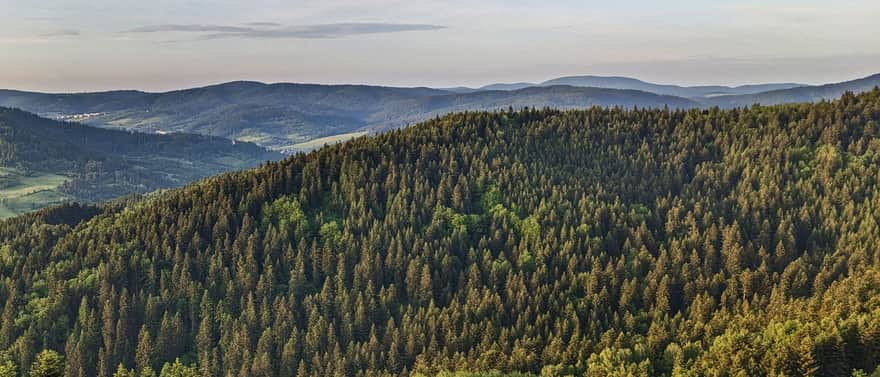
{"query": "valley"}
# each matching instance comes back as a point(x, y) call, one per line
point(280, 116)
point(45, 162)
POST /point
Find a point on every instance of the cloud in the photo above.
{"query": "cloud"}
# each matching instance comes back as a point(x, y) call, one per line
point(271, 30)
point(190, 28)
point(263, 24)
point(61, 33)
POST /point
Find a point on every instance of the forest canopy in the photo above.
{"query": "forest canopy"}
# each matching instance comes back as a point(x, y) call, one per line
point(599, 242)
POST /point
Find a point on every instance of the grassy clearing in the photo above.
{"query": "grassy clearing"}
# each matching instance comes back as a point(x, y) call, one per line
point(253, 137)
point(20, 193)
point(320, 142)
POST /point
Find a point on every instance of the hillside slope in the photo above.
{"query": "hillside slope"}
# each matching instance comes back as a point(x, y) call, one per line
point(813, 93)
point(270, 115)
point(597, 242)
point(277, 115)
point(45, 161)
point(557, 97)
point(285, 117)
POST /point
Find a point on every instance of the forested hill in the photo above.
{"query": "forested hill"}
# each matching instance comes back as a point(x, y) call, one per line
point(601, 242)
point(44, 161)
point(280, 116)
point(812, 93)
point(287, 116)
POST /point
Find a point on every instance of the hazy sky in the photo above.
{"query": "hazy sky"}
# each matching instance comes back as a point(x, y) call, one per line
point(71, 45)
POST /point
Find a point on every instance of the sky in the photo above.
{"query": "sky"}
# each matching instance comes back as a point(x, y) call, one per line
point(158, 45)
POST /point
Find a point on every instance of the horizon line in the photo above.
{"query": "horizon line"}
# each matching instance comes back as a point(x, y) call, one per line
point(209, 84)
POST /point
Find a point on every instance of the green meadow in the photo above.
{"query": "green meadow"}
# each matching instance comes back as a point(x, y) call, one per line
point(22, 192)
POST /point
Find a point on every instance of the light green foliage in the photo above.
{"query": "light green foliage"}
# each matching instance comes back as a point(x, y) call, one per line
point(561, 370)
point(500, 212)
point(330, 232)
point(48, 363)
point(178, 369)
point(445, 220)
point(7, 257)
point(121, 371)
point(493, 373)
point(465, 223)
point(620, 362)
point(284, 212)
point(490, 198)
point(147, 372)
point(8, 369)
point(530, 228)
point(828, 157)
point(733, 354)
point(526, 262)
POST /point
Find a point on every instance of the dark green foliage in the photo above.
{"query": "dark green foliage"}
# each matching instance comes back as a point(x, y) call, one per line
point(605, 242)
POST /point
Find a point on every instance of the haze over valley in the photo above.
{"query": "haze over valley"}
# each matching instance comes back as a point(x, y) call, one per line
point(289, 117)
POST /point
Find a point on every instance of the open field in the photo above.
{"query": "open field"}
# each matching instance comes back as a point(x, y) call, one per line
point(21, 193)
point(320, 142)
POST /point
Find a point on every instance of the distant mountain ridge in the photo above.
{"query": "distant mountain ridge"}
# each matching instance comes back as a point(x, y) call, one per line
point(629, 83)
point(692, 92)
point(800, 94)
point(286, 116)
point(512, 86)
point(280, 115)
